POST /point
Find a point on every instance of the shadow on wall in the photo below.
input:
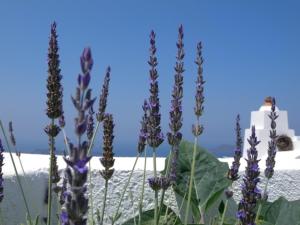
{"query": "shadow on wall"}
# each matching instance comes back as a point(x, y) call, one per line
point(13, 208)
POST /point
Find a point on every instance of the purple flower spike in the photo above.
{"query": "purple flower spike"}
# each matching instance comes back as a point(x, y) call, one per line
point(81, 127)
point(251, 194)
point(74, 199)
point(155, 137)
point(80, 165)
point(199, 83)
point(61, 121)
point(54, 95)
point(143, 131)
point(107, 160)
point(103, 96)
point(175, 124)
point(85, 80)
point(270, 162)
point(86, 60)
point(233, 171)
point(64, 218)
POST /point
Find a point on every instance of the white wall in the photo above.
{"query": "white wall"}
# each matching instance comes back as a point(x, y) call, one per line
point(286, 182)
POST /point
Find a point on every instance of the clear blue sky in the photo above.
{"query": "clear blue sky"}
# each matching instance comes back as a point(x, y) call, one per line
point(251, 50)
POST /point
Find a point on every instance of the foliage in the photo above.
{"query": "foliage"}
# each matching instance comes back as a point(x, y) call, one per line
point(148, 218)
point(210, 178)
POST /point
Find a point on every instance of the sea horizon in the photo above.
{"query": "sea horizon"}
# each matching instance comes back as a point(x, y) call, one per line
point(219, 151)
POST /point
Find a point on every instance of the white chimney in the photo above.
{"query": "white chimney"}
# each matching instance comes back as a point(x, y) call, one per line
point(260, 119)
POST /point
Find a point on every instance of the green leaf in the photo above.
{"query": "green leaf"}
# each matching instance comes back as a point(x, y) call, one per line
point(210, 178)
point(261, 222)
point(282, 212)
point(148, 218)
point(36, 220)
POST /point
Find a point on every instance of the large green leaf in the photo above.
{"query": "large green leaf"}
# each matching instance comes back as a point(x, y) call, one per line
point(282, 212)
point(148, 218)
point(210, 178)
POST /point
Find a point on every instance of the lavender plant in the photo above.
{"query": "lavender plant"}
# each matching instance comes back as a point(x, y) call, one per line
point(13, 142)
point(107, 160)
point(91, 131)
point(234, 169)
point(175, 136)
point(196, 128)
point(270, 161)
point(155, 136)
point(54, 110)
point(62, 124)
point(76, 203)
point(17, 175)
point(251, 194)
point(142, 144)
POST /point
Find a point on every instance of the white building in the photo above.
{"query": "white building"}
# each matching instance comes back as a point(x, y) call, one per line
point(287, 141)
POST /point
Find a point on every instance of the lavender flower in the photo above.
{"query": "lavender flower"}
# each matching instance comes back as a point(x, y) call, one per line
point(75, 207)
point(1, 174)
point(61, 121)
point(251, 194)
point(143, 130)
point(155, 136)
point(63, 191)
point(107, 160)
point(90, 124)
point(198, 109)
point(52, 130)
point(158, 183)
point(76, 204)
point(54, 109)
point(174, 137)
point(103, 96)
point(233, 171)
point(12, 137)
point(86, 61)
point(270, 162)
point(54, 87)
point(54, 174)
point(197, 129)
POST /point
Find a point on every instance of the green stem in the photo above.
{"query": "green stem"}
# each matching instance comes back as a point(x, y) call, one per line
point(93, 138)
point(24, 174)
point(224, 212)
point(50, 178)
point(181, 205)
point(91, 199)
point(16, 172)
point(191, 183)
point(58, 209)
point(132, 205)
point(143, 187)
point(125, 188)
point(163, 191)
point(104, 201)
point(156, 192)
point(199, 207)
point(66, 140)
point(260, 203)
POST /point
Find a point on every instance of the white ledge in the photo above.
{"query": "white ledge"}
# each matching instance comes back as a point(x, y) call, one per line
point(285, 182)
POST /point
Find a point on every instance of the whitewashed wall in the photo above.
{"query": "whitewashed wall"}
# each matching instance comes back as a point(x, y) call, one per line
point(286, 182)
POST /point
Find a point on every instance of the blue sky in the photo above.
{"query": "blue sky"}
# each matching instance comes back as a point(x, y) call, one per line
point(251, 50)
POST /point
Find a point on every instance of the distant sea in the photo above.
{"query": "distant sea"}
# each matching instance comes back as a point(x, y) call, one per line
point(219, 151)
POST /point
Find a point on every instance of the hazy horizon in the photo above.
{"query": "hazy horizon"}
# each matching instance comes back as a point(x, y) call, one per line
point(251, 50)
